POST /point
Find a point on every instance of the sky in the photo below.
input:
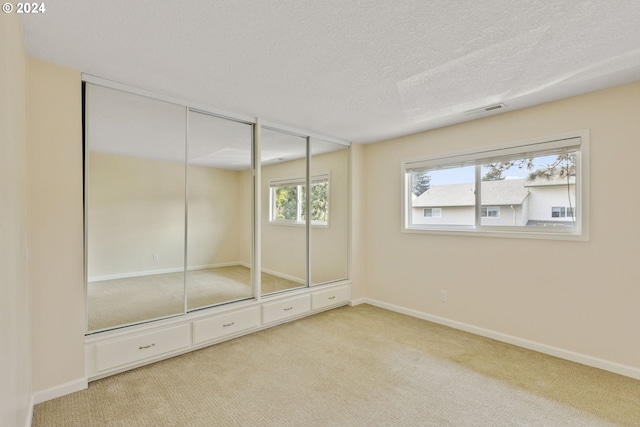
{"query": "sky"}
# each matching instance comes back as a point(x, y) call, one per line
point(466, 174)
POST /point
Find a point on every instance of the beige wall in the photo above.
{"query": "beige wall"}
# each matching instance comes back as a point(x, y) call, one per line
point(137, 208)
point(15, 354)
point(357, 235)
point(577, 296)
point(216, 218)
point(245, 218)
point(55, 224)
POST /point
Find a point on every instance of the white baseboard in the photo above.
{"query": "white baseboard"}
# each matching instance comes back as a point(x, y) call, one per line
point(60, 390)
point(284, 276)
point(133, 274)
point(29, 419)
point(162, 271)
point(359, 301)
point(195, 267)
point(617, 368)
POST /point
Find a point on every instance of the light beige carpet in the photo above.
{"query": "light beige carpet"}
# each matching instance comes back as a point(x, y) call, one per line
point(354, 366)
point(136, 299)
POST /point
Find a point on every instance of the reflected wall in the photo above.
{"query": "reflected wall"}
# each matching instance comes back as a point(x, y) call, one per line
point(219, 211)
point(329, 211)
point(283, 249)
point(135, 192)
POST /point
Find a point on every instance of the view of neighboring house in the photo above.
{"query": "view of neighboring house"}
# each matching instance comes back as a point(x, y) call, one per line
point(507, 202)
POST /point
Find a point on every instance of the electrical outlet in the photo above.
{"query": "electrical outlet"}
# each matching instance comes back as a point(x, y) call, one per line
point(443, 296)
point(156, 257)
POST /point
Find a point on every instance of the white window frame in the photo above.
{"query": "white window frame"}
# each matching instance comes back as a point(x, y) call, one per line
point(574, 141)
point(562, 213)
point(300, 183)
point(435, 212)
point(484, 211)
point(565, 211)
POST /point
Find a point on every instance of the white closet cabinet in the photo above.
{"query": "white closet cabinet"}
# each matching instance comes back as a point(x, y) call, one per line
point(119, 350)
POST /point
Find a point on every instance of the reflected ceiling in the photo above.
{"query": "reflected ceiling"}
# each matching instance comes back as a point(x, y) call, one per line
point(136, 126)
point(361, 70)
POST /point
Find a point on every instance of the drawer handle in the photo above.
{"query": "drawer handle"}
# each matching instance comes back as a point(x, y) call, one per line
point(142, 347)
point(287, 309)
point(228, 324)
point(333, 297)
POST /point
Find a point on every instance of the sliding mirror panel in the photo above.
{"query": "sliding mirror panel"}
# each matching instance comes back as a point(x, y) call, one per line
point(283, 161)
point(135, 208)
point(219, 221)
point(329, 201)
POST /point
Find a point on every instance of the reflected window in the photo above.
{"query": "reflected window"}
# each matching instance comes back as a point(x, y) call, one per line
point(287, 201)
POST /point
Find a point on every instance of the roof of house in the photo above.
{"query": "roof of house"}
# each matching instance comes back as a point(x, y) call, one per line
point(542, 182)
point(503, 192)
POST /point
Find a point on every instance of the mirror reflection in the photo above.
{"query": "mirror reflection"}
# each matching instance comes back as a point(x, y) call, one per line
point(219, 211)
point(169, 210)
point(283, 222)
point(135, 193)
point(328, 244)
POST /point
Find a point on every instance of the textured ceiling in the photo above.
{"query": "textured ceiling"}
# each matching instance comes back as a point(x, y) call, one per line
point(359, 70)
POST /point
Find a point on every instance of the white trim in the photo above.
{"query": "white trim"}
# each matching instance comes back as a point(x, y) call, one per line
point(218, 265)
point(302, 133)
point(201, 108)
point(284, 276)
point(29, 419)
point(555, 141)
point(163, 271)
point(60, 390)
point(359, 301)
point(92, 279)
point(166, 98)
point(617, 368)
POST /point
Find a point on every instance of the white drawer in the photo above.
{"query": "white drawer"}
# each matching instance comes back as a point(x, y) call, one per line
point(141, 347)
point(225, 324)
point(333, 296)
point(272, 312)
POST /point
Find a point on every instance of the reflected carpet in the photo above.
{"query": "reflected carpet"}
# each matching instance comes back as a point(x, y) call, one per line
point(142, 298)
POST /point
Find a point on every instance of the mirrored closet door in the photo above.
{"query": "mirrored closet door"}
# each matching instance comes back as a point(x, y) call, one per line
point(135, 208)
point(329, 212)
point(219, 220)
point(283, 166)
point(175, 199)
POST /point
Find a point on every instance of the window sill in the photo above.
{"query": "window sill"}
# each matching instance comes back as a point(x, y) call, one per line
point(511, 233)
point(298, 224)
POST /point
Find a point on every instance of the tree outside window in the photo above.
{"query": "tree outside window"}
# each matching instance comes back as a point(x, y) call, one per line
point(288, 201)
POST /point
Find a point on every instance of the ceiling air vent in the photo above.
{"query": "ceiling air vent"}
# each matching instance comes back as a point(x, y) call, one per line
point(485, 110)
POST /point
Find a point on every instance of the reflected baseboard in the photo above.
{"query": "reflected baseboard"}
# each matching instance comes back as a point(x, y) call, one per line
point(162, 271)
point(285, 276)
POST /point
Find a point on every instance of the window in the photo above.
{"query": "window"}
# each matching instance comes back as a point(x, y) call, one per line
point(288, 201)
point(557, 212)
point(562, 212)
point(535, 188)
point(432, 212)
point(492, 212)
